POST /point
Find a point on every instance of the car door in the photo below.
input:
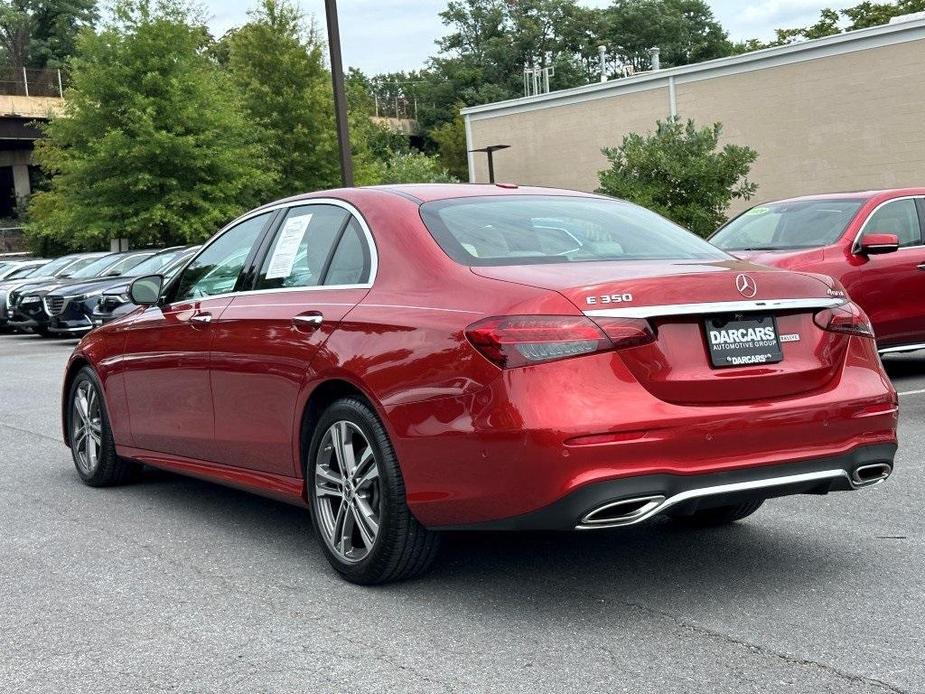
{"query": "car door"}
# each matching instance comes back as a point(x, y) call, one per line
point(318, 266)
point(891, 287)
point(167, 348)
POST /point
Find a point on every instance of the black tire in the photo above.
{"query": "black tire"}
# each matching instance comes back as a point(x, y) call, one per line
point(402, 548)
point(105, 468)
point(721, 515)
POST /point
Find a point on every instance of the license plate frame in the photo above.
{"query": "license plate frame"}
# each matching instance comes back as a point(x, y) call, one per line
point(742, 340)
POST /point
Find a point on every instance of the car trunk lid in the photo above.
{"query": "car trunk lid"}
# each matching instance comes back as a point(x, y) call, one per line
point(685, 302)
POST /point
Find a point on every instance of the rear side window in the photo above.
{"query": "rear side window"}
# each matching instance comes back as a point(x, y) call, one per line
point(350, 264)
point(300, 251)
point(532, 229)
point(899, 217)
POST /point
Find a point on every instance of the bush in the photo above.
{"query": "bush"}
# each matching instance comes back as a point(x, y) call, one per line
point(414, 167)
point(678, 172)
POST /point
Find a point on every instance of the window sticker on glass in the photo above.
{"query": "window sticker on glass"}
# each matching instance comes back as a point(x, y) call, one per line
point(284, 255)
point(755, 211)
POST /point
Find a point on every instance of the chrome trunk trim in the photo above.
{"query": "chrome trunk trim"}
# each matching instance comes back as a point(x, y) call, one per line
point(715, 307)
point(899, 349)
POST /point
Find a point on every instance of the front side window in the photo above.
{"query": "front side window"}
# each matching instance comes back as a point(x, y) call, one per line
point(779, 226)
point(531, 229)
point(899, 217)
point(217, 268)
point(299, 254)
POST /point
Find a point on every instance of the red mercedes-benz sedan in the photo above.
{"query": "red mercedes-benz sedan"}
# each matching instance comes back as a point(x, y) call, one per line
point(871, 242)
point(404, 360)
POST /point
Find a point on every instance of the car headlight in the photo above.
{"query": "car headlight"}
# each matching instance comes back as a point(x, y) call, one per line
point(84, 297)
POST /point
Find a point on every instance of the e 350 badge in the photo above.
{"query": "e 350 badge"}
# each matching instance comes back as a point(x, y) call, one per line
point(609, 299)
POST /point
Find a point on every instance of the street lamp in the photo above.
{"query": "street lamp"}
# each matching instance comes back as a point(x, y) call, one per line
point(490, 151)
point(340, 97)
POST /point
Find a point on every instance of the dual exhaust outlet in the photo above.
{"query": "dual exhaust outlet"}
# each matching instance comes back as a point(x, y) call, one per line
point(614, 514)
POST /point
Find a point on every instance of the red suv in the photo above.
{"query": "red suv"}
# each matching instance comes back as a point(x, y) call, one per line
point(870, 242)
point(405, 360)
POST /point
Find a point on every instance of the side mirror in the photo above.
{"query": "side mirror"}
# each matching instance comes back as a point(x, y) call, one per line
point(876, 243)
point(146, 291)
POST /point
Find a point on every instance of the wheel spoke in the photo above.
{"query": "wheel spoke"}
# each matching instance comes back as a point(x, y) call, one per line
point(82, 405)
point(369, 477)
point(328, 482)
point(345, 450)
point(363, 463)
point(91, 451)
point(365, 533)
point(367, 515)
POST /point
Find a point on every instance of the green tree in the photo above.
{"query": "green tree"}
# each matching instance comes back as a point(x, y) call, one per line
point(679, 172)
point(685, 31)
point(414, 167)
point(42, 33)
point(277, 64)
point(451, 146)
point(153, 146)
point(830, 22)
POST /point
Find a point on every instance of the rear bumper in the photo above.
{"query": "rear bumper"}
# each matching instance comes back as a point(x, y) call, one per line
point(537, 435)
point(621, 502)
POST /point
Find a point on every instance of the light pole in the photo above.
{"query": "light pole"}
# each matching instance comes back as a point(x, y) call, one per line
point(340, 97)
point(490, 151)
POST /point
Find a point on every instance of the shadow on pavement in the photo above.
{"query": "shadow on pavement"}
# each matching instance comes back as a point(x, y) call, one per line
point(751, 558)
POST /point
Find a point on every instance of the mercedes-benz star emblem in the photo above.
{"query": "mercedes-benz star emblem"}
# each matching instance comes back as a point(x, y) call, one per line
point(746, 286)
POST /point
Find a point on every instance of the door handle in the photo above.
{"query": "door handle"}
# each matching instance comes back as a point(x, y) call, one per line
point(308, 322)
point(921, 267)
point(201, 319)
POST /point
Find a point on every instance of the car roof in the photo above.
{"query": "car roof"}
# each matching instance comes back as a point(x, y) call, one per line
point(865, 195)
point(428, 192)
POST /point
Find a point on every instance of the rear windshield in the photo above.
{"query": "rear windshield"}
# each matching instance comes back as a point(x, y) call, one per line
point(786, 225)
point(524, 230)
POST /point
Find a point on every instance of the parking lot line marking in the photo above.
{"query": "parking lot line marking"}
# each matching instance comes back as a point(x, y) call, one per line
point(913, 392)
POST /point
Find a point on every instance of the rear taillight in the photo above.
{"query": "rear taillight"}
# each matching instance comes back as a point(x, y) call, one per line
point(512, 341)
point(848, 319)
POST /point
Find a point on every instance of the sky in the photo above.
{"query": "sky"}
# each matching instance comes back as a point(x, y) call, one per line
point(391, 35)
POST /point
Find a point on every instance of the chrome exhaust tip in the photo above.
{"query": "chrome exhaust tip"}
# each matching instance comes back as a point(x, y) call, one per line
point(869, 475)
point(621, 512)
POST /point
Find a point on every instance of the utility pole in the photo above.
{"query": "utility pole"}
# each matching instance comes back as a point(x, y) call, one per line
point(340, 96)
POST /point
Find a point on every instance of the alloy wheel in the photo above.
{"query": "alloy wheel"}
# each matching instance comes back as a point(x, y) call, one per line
point(86, 427)
point(347, 492)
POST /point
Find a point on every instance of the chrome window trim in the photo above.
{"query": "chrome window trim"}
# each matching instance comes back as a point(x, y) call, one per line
point(714, 307)
point(274, 207)
point(856, 246)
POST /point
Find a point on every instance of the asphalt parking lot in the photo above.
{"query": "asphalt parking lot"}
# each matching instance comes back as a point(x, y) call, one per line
point(179, 585)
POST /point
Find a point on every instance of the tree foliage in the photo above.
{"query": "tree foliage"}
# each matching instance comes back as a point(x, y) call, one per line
point(679, 172)
point(42, 33)
point(861, 16)
point(451, 146)
point(414, 167)
point(488, 43)
point(153, 146)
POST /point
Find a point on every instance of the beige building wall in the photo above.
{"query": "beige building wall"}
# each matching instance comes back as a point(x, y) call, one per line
point(847, 122)
point(844, 113)
point(561, 146)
